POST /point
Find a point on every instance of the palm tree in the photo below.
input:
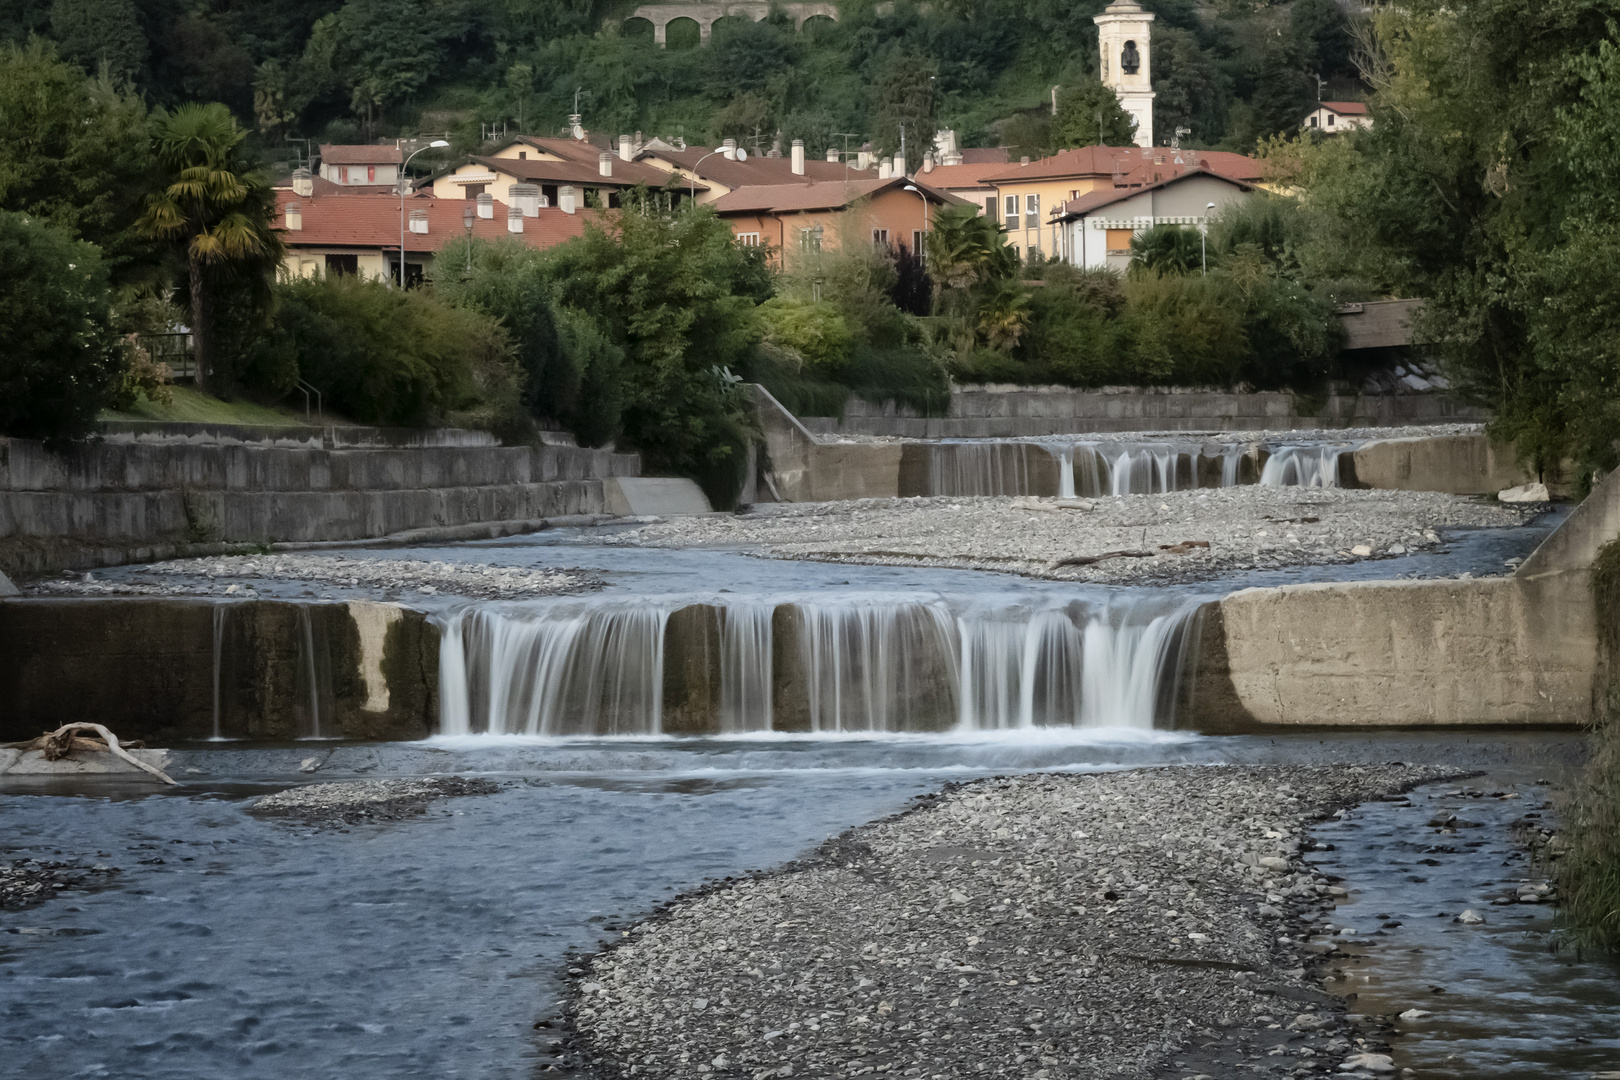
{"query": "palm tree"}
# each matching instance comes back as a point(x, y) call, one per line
point(215, 207)
point(965, 249)
point(1166, 249)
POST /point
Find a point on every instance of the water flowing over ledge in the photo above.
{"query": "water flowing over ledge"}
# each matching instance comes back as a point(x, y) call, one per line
point(856, 663)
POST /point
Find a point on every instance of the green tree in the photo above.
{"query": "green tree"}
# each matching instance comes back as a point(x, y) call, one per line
point(1191, 91)
point(215, 210)
point(1283, 91)
point(77, 152)
point(60, 365)
point(385, 51)
point(101, 34)
point(1323, 31)
point(906, 99)
point(966, 248)
point(1167, 249)
point(1089, 115)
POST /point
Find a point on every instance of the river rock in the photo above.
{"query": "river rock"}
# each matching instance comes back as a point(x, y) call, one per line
point(1525, 493)
point(1373, 1063)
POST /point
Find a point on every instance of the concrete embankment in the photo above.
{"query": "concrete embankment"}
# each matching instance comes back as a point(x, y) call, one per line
point(1004, 412)
point(131, 497)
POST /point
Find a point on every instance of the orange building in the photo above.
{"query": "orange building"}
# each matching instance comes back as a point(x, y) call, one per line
point(813, 217)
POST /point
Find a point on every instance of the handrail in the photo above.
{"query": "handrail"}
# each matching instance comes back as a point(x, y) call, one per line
point(306, 388)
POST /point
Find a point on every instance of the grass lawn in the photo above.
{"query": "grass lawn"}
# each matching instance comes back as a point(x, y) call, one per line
point(189, 406)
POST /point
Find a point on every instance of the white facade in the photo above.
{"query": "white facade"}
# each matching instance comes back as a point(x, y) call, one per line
point(1330, 119)
point(349, 175)
point(1123, 32)
point(1101, 238)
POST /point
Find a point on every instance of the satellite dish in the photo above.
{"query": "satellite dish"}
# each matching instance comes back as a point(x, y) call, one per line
point(579, 132)
point(742, 155)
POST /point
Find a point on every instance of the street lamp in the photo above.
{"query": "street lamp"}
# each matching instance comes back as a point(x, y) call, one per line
point(924, 198)
point(1203, 237)
point(742, 155)
point(467, 220)
point(434, 145)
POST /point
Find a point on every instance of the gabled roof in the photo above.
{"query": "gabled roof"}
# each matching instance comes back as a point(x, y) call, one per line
point(1095, 200)
point(1092, 161)
point(372, 221)
point(753, 172)
point(1343, 108)
point(823, 195)
point(626, 174)
point(360, 155)
point(956, 176)
point(985, 155)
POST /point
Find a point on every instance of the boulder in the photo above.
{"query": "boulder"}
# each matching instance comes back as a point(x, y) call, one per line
point(1525, 493)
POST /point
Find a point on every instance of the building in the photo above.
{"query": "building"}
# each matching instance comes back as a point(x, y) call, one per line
point(963, 178)
point(1333, 117)
point(798, 219)
point(1030, 193)
point(718, 171)
point(552, 170)
point(361, 167)
point(1123, 33)
point(347, 233)
point(1098, 226)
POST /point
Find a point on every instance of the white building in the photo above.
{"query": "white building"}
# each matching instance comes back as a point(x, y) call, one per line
point(1332, 117)
point(1098, 226)
point(1123, 32)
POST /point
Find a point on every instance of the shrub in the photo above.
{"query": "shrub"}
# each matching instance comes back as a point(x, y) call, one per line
point(1184, 330)
point(60, 364)
point(816, 331)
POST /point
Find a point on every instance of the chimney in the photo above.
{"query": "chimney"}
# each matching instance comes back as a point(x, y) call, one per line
point(928, 162)
point(486, 206)
point(419, 222)
point(525, 198)
point(1024, 160)
point(798, 157)
point(728, 149)
point(625, 153)
point(832, 154)
point(897, 167)
point(863, 160)
point(565, 199)
point(883, 169)
point(295, 216)
point(514, 219)
point(605, 164)
point(303, 184)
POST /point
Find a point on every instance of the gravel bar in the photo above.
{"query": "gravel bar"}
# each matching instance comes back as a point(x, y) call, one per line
point(236, 575)
point(1180, 535)
point(30, 881)
point(357, 802)
point(1148, 923)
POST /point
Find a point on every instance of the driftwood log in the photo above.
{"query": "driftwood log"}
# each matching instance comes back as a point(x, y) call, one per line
point(62, 742)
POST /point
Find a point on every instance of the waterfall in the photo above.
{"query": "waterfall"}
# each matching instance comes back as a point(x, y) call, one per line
point(1231, 461)
point(311, 678)
point(978, 468)
point(219, 641)
point(848, 664)
point(1313, 466)
point(745, 667)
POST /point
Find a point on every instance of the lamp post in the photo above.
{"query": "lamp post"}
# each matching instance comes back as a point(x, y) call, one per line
point(467, 220)
point(1203, 238)
point(742, 155)
point(435, 144)
point(918, 191)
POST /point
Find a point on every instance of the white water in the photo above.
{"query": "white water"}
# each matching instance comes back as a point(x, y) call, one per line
point(219, 640)
point(852, 664)
point(979, 468)
point(1313, 466)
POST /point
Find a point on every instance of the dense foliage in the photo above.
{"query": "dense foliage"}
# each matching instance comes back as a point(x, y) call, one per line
point(60, 363)
point(349, 69)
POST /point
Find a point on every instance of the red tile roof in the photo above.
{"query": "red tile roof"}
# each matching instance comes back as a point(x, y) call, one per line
point(755, 171)
point(372, 221)
point(626, 174)
point(360, 155)
point(984, 155)
point(1093, 200)
point(1344, 108)
point(956, 176)
point(1142, 162)
point(825, 195)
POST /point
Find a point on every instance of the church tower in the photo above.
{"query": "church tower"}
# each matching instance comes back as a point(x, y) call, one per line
point(1122, 34)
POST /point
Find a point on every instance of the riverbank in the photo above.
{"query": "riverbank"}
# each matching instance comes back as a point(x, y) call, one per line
point(1149, 539)
point(1048, 926)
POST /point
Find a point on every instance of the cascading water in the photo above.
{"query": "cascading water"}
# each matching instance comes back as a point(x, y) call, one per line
point(1119, 468)
point(219, 641)
point(1314, 466)
point(979, 468)
point(858, 664)
point(314, 677)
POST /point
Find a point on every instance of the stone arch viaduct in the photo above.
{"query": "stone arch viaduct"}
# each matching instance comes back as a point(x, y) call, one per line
point(705, 15)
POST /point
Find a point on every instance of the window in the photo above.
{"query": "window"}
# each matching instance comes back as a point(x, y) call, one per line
point(1119, 241)
point(1012, 211)
point(472, 191)
point(748, 239)
point(810, 239)
point(1032, 211)
point(339, 265)
point(880, 239)
point(919, 243)
point(523, 155)
point(1313, 121)
point(990, 207)
point(1330, 119)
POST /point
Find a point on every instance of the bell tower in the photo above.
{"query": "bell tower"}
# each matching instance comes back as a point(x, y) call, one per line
point(1123, 31)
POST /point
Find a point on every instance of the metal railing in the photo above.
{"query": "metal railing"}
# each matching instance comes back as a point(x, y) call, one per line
point(176, 350)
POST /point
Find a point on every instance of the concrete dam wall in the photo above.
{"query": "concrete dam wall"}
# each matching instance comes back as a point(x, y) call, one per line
point(121, 499)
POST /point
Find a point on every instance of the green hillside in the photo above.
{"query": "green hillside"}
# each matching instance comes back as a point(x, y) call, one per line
point(1232, 72)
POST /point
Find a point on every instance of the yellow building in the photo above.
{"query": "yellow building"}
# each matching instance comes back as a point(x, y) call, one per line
point(551, 171)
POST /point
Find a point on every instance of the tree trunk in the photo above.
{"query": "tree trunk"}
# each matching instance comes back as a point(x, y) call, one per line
point(202, 330)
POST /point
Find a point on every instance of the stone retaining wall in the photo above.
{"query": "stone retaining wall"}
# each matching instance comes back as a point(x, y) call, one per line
point(105, 501)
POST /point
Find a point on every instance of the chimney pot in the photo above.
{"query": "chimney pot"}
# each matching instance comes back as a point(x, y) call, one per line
point(863, 160)
point(419, 222)
point(486, 206)
point(525, 198)
point(303, 184)
point(605, 164)
point(295, 216)
point(728, 149)
point(928, 162)
point(884, 169)
point(1024, 160)
point(832, 154)
point(798, 157)
point(625, 151)
point(514, 219)
point(565, 199)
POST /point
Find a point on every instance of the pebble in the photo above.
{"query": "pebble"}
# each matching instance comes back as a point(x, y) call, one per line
point(1173, 536)
point(29, 881)
point(353, 802)
point(1039, 926)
